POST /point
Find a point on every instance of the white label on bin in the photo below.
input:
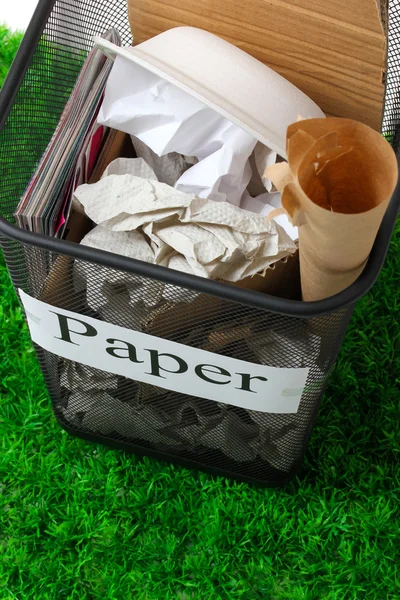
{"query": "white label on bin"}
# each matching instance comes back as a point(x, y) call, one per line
point(163, 363)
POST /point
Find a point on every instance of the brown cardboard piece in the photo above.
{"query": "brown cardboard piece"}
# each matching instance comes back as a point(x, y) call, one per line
point(280, 279)
point(333, 51)
point(335, 187)
point(117, 144)
point(61, 272)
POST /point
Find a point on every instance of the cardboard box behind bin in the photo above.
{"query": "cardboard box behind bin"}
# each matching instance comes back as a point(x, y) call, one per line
point(334, 51)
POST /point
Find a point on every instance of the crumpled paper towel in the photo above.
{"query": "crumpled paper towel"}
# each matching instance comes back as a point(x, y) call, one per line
point(107, 415)
point(143, 219)
point(139, 167)
point(168, 119)
point(147, 220)
point(112, 293)
point(266, 203)
point(218, 240)
point(169, 420)
point(232, 436)
point(78, 377)
point(125, 202)
point(129, 166)
point(281, 437)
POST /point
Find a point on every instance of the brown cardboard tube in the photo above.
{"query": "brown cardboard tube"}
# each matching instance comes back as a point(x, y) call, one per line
point(336, 186)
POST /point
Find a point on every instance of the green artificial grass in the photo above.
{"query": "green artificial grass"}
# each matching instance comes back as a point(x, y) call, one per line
point(83, 522)
point(9, 43)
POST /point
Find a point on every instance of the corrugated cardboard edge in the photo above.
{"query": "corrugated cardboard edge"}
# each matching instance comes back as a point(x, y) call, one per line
point(281, 279)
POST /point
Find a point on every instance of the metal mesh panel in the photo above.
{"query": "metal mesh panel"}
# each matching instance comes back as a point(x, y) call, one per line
point(64, 45)
point(391, 118)
point(251, 445)
point(248, 444)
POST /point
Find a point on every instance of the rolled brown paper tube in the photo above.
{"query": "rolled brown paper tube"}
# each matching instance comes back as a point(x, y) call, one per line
point(336, 186)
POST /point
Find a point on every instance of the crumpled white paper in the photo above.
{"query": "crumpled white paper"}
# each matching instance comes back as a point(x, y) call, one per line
point(168, 119)
point(261, 158)
point(167, 168)
point(188, 145)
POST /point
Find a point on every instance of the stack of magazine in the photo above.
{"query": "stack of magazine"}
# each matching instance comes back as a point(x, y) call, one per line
point(72, 152)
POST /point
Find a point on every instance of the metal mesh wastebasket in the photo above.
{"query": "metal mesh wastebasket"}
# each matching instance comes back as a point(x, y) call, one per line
point(95, 404)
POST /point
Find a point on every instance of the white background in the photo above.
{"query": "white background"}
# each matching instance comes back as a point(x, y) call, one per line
point(16, 13)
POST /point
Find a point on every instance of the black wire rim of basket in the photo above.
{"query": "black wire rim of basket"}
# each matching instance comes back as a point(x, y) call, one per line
point(250, 298)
